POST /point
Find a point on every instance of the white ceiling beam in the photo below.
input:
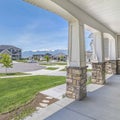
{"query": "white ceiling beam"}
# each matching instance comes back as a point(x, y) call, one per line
point(70, 11)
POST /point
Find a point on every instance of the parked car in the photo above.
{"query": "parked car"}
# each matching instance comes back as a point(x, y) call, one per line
point(31, 61)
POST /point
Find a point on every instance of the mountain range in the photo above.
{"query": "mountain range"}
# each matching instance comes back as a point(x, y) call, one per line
point(26, 54)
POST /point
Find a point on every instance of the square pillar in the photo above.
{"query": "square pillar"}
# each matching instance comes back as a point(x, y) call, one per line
point(76, 82)
point(76, 70)
point(98, 65)
point(118, 67)
point(111, 67)
point(98, 73)
point(118, 55)
point(110, 47)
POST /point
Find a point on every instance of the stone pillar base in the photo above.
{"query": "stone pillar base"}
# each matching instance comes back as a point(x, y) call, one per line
point(110, 67)
point(118, 67)
point(76, 82)
point(98, 73)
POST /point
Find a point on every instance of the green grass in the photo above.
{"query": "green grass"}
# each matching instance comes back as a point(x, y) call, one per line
point(51, 68)
point(15, 92)
point(46, 64)
point(12, 74)
point(61, 63)
point(53, 63)
point(89, 80)
point(24, 113)
point(89, 70)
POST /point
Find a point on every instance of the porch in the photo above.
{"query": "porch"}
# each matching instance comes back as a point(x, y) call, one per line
point(101, 103)
point(101, 18)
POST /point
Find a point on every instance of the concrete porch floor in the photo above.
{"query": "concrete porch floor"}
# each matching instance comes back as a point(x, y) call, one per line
point(101, 103)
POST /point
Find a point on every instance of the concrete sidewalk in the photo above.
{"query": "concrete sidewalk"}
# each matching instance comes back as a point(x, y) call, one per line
point(101, 103)
point(56, 92)
point(48, 72)
point(56, 72)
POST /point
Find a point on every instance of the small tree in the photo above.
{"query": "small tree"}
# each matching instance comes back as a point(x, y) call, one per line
point(61, 57)
point(47, 58)
point(6, 61)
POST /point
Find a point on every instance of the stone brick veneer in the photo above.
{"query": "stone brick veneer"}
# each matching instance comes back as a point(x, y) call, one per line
point(76, 82)
point(110, 67)
point(98, 73)
point(118, 66)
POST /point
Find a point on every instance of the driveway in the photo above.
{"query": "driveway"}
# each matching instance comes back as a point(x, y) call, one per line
point(22, 67)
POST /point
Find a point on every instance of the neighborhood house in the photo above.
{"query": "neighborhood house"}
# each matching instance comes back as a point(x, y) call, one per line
point(13, 51)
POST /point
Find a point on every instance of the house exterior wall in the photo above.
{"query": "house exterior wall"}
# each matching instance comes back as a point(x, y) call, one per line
point(15, 53)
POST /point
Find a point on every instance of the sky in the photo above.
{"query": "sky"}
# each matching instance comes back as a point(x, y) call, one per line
point(31, 28)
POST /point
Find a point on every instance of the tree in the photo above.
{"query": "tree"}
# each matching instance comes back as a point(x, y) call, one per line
point(6, 61)
point(61, 57)
point(47, 58)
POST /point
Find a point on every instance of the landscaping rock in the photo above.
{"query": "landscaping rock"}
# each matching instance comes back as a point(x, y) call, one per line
point(45, 101)
point(43, 105)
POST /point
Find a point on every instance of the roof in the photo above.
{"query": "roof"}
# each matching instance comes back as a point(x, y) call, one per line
point(2, 47)
point(5, 51)
point(48, 54)
point(89, 51)
point(102, 15)
point(38, 54)
point(60, 54)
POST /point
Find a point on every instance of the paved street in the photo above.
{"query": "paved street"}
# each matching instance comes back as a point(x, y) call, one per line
point(22, 67)
point(35, 69)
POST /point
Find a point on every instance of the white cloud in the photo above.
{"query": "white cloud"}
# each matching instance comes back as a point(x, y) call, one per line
point(31, 39)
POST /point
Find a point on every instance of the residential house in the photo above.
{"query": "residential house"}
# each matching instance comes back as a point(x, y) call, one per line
point(13, 51)
point(60, 57)
point(89, 55)
point(38, 57)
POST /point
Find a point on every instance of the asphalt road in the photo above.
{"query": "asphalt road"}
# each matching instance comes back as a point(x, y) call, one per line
point(22, 67)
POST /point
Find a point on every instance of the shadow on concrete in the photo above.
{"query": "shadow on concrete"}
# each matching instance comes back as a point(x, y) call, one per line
point(101, 104)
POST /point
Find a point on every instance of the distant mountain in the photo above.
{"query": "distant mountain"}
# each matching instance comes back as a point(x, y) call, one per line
point(26, 54)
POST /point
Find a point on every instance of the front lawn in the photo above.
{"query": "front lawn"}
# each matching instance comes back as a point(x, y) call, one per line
point(88, 80)
point(12, 74)
point(51, 68)
point(89, 70)
point(52, 63)
point(15, 92)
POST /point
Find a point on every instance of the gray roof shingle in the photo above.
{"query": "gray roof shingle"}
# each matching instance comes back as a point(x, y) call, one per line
point(2, 47)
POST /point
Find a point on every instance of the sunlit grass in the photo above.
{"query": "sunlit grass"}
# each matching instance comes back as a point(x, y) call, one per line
point(15, 92)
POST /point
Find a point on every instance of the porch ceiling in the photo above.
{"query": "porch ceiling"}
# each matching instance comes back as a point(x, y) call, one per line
point(52, 6)
point(105, 11)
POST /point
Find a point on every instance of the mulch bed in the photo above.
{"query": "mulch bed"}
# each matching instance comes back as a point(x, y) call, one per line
point(31, 105)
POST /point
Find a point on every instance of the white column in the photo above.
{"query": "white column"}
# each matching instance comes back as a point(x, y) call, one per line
point(117, 53)
point(98, 47)
point(106, 48)
point(76, 45)
point(112, 49)
point(112, 45)
point(118, 47)
point(76, 70)
point(98, 67)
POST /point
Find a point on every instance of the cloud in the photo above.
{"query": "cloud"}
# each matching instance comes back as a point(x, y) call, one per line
point(30, 39)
